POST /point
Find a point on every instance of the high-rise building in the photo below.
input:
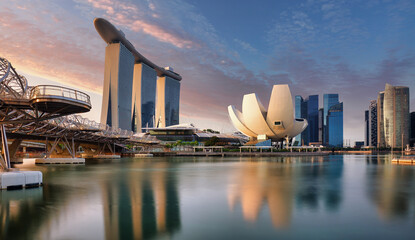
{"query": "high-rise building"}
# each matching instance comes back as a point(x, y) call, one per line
point(118, 79)
point(130, 82)
point(329, 100)
point(312, 118)
point(298, 114)
point(168, 99)
point(144, 97)
point(335, 125)
point(394, 125)
point(373, 123)
point(367, 128)
point(320, 125)
point(381, 130)
point(412, 140)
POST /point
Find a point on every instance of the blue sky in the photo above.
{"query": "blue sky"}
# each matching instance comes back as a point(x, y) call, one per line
point(224, 49)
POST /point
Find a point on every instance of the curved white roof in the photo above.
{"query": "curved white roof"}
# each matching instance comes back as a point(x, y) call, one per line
point(276, 123)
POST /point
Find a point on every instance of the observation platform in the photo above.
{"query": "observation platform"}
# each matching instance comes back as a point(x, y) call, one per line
point(57, 99)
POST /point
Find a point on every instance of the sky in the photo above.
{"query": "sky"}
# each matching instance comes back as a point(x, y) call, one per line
point(223, 49)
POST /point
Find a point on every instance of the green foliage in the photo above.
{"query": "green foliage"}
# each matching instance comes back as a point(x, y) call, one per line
point(182, 143)
point(210, 131)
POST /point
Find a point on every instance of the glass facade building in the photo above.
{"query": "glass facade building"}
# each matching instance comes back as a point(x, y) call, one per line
point(381, 128)
point(298, 114)
point(168, 101)
point(396, 116)
point(118, 78)
point(412, 140)
point(312, 117)
point(373, 123)
point(329, 100)
point(320, 125)
point(144, 97)
point(367, 128)
point(335, 125)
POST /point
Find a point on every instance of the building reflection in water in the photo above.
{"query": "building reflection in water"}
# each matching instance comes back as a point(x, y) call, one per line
point(390, 187)
point(277, 184)
point(141, 205)
point(320, 184)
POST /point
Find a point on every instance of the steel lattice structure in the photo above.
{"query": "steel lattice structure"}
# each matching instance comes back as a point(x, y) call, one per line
point(47, 111)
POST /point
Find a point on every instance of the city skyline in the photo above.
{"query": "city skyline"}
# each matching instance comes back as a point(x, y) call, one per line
point(316, 47)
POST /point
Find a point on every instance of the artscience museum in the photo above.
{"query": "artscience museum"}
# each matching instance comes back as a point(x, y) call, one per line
point(276, 124)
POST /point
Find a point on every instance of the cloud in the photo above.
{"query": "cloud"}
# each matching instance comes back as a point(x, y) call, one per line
point(246, 46)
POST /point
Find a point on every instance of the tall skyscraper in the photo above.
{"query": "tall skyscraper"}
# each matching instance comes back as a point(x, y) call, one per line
point(168, 100)
point(320, 125)
point(312, 117)
point(412, 140)
point(130, 82)
point(298, 114)
point(381, 129)
point(335, 125)
point(373, 123)
point(329, 100)
point(118, 77)
point(144, 97)
point(394, 127)
point(367, 128)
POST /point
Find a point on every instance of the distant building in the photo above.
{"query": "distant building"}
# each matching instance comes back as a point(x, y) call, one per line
point(381, 129)
point(367, 128)
point(335, 125)
point(329, 100)
point(373, 123)
point(312, 118)
point(394, 124)
point(320, 125)
point(359, 144)
point(412, 140)
point(299, 101)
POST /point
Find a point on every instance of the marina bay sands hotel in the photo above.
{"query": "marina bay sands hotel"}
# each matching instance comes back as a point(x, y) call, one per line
point(137, 92)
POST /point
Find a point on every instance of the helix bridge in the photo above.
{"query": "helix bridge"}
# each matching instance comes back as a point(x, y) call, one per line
point(48, 112)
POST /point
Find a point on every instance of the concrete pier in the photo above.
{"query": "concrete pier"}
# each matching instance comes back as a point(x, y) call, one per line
point(60, 161)
point(20, 179)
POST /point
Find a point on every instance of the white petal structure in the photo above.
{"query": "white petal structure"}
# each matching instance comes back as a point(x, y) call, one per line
point(277, 123)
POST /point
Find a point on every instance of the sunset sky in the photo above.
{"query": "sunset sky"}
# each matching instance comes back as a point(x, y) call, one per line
point(223, 49)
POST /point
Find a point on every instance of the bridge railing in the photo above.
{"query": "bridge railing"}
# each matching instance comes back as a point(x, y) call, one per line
point(59, 91)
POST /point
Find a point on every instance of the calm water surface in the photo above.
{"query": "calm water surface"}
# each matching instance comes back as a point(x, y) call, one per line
point(332, 197)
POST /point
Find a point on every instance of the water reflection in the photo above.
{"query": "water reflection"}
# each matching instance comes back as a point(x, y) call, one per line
point(278, 184)
point(320, 184)
point(390, 187)
point(141, 204)
point(138, 201)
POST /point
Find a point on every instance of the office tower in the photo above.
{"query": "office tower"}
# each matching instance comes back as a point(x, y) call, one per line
point(312, 118)
point(412, 140)
point(168, 100)
point(373, 124)
point(367, 128)
point(381, 129)
point(396, 116)
point(298, 114)
point(329, 100)
point(335, 125)
point(320, 125)
point(118, 78)
point(144, 97)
